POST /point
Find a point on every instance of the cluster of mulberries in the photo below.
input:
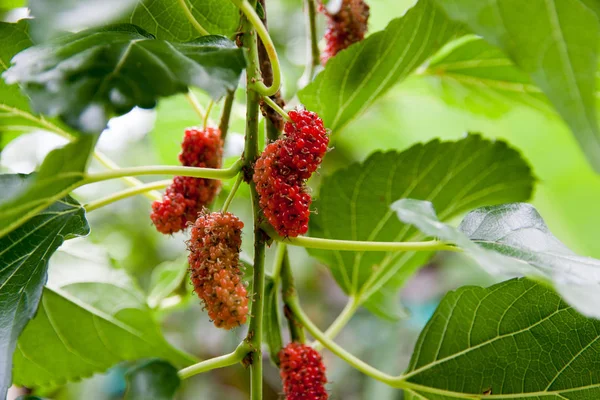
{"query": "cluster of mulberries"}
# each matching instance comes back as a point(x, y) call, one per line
point(186, 196)
point(302, 372)
point(347, 26)
point(214, 268)
point(282, 169)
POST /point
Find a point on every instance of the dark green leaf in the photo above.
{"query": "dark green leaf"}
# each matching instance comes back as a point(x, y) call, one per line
point(112, 321)
point(166, 279)
point(15, 114)
point(358, 76)
point(90, 76)
point(152, 380)
point(513, 340)
point(29, 397)
point(165, 19)
point(354, 203)
point(272, 321)
point(24, 255)
point(57, 176)
point(474, 75)
point(513, 239)
point(556, 43)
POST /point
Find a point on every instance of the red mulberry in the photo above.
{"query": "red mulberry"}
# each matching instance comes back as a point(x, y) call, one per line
point(186, 195)
point(302, 372)
point(347, 26)
point(283, 167)
point(214, 265)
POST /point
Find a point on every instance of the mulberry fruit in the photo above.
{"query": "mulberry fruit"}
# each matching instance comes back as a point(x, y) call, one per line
point(187, 196)
point(302, 372)
point(347, 26)
point(283, 167)
point(214, 268)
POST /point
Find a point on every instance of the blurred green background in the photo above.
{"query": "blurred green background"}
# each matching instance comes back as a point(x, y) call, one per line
point(566, 196)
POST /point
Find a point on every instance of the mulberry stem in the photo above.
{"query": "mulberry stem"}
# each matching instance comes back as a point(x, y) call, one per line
point(207, 173)
point(260, 28)
point(135, 190)
point(276, 107)
point(218, 362)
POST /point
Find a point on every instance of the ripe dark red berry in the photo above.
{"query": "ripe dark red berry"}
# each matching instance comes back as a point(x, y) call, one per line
point(281, 171)
point(186, 195)
point(347, 26)
point(214, 268)
point(303, 373)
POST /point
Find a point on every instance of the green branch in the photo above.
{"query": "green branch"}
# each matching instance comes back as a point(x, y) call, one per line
point(255, 326)
point(218, 362)
point(269, 101)
point(358, 245)
point(226, 115)
point(314, 58)
point(231, 195)
point(256, 82)
point(207, 173)
point(342, 319)
point(135, 190)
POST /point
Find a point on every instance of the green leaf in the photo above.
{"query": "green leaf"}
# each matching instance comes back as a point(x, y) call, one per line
point(167, 20)
point(555, 42)
point(24, 255)
point(356, 77)
point(15, 114)
point(513, 340)
point(88, 77)
point(60, 172)
point(474, 75)
point(513, 239)
point(354, 204)
point(9, 4)
point(272, 321)
point(113, 324)
point(53, 17)
point(152, 380)
point(166, 279)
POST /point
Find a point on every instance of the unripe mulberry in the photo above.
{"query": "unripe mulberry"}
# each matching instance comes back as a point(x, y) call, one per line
point(214, 268)
point(302, 372)
point(281, 170)
point(347, 26)
point(187, 195)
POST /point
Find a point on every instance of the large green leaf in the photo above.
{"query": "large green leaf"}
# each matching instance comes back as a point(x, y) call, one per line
point(90, 76)
point(513, 340)
point(358, 76)
point(60, 172)
point(9, 4)
point(15, 114)
point(474, 75)
point(24, 255)
point(168, 279)
point(513, 239)
point(91, 317)
point(152, 380)
point(166, 19)
point(354, 204)
point(556, 43)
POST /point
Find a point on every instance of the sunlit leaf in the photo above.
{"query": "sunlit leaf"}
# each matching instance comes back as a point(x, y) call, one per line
point(356, 77)
point(553, 41)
